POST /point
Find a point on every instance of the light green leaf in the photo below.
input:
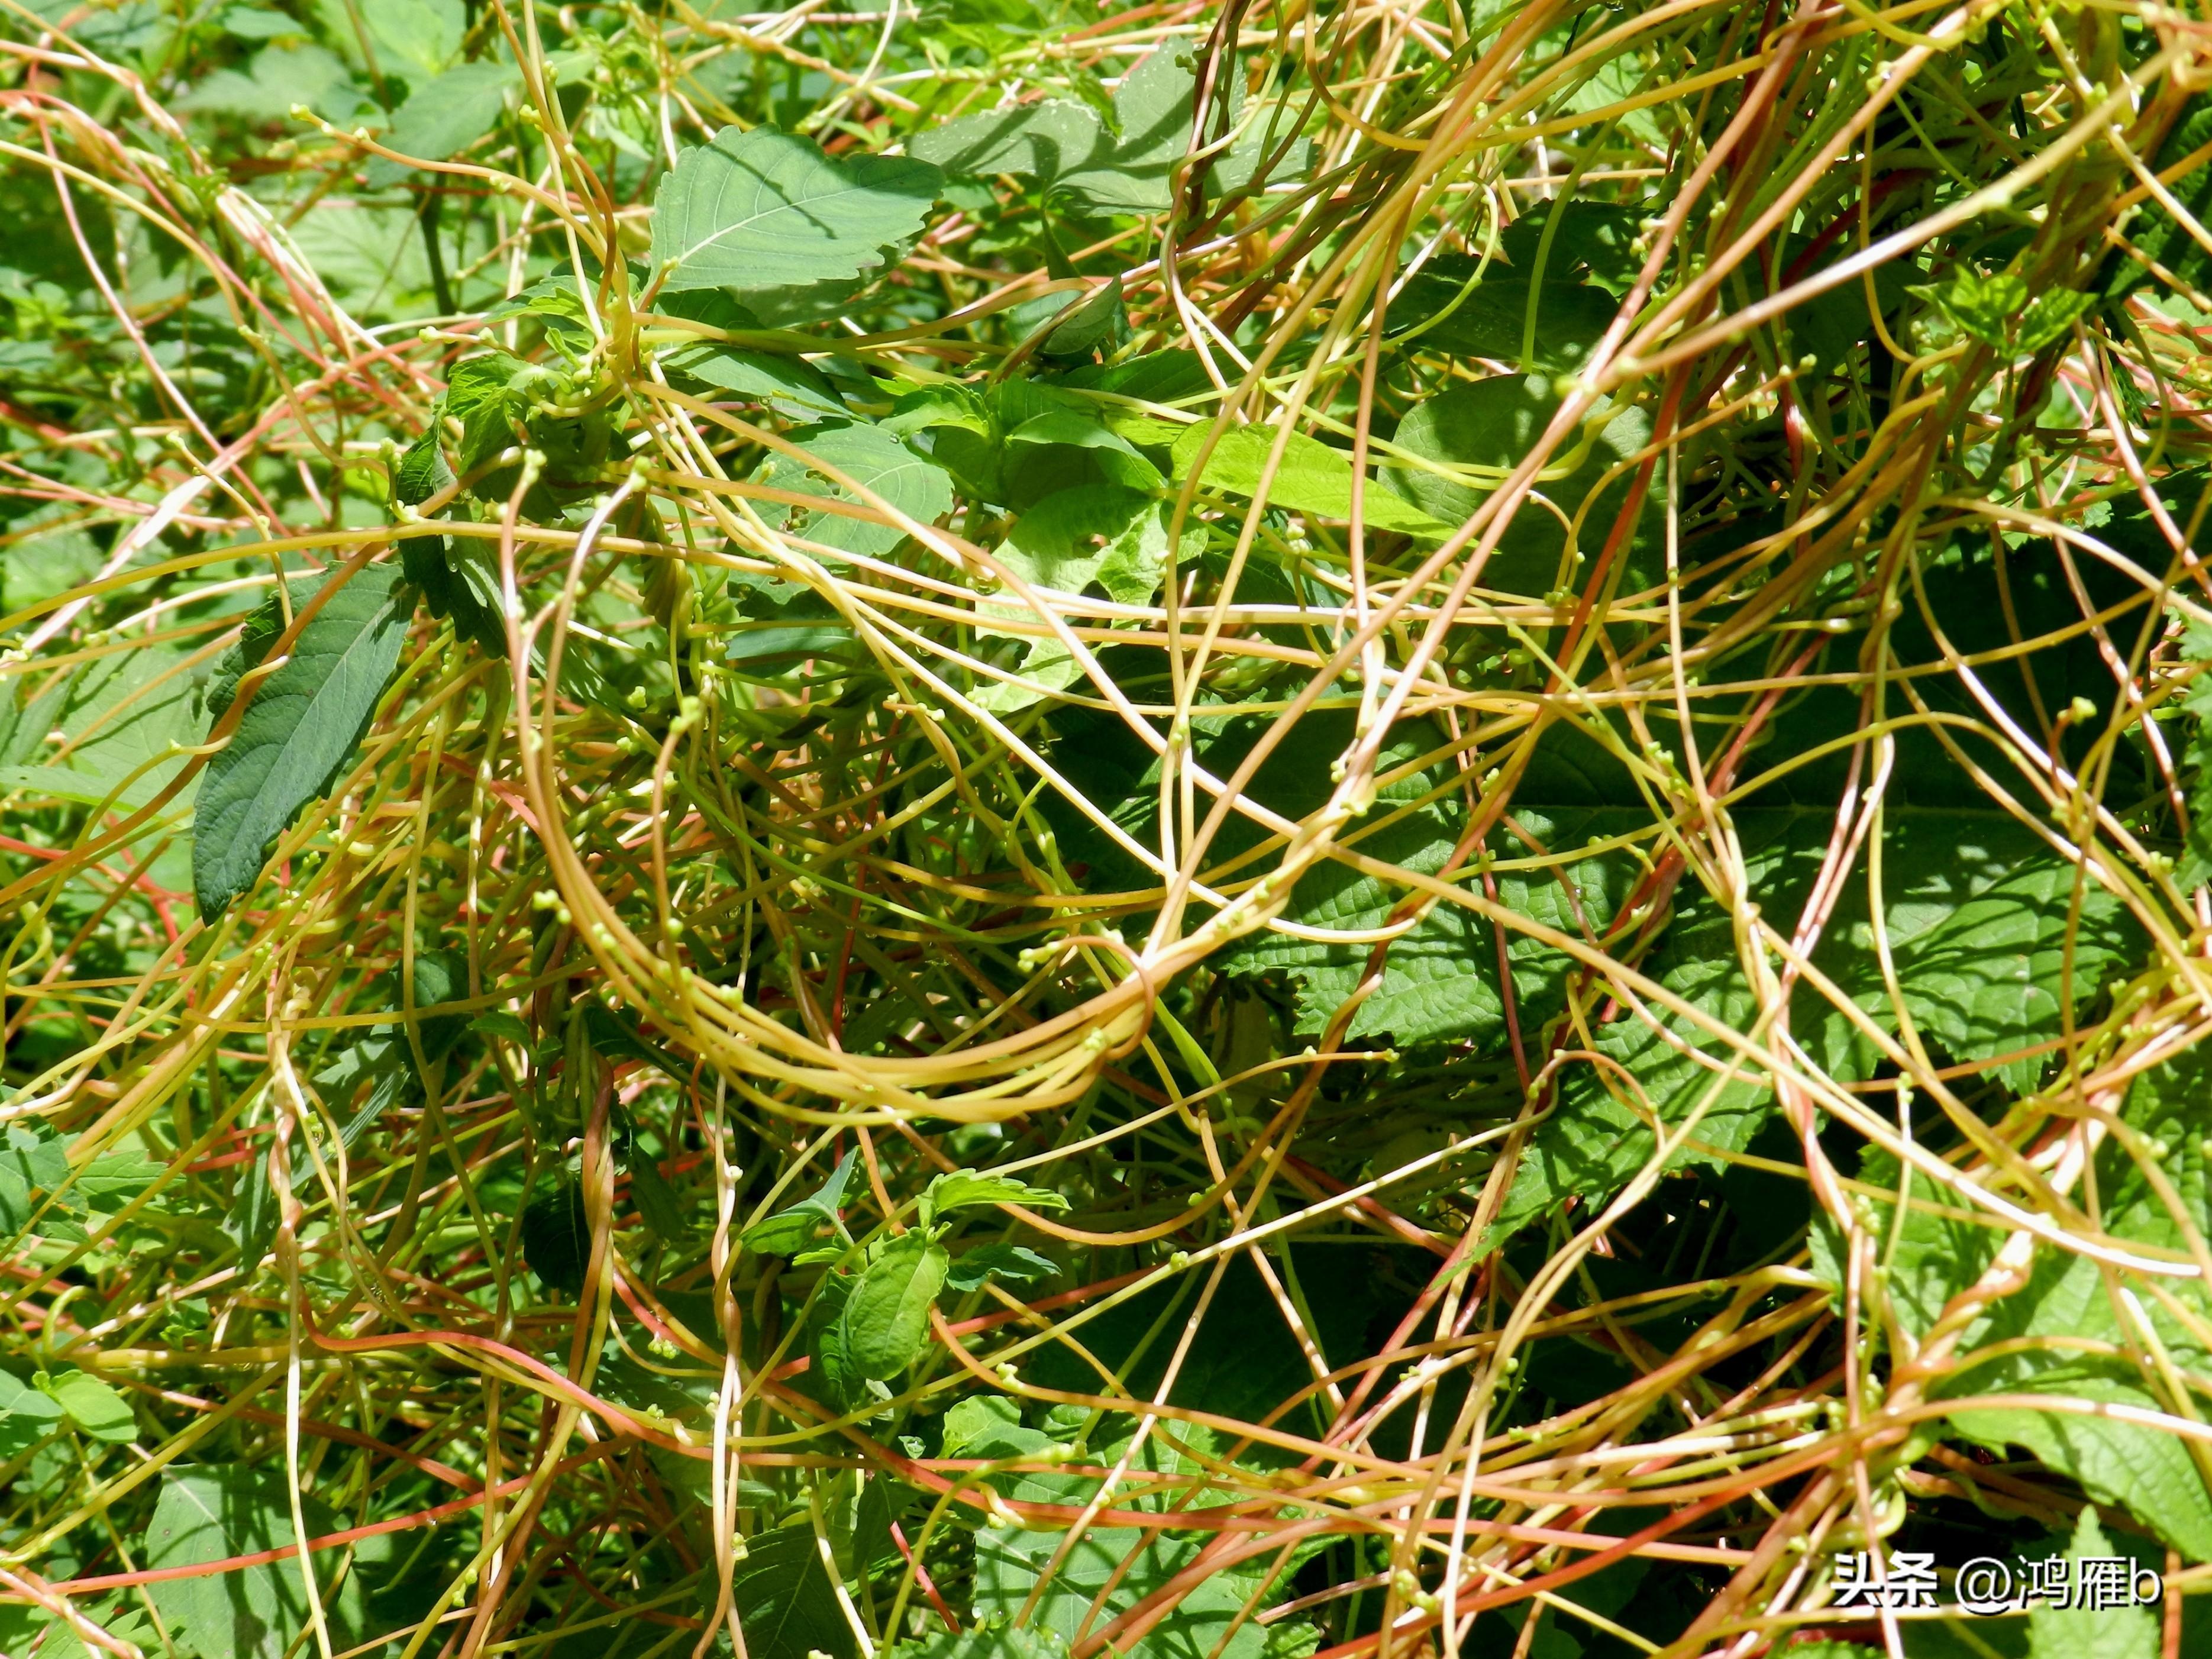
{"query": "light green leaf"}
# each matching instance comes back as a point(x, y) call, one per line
point(2050, 314)
point(1093, 533)
point(123, 714)
point(786, 228)
point(1312, 478)
point(798, 1226)
point(1043, 140)
point(91, 1405)
point(871, 458)
point(1479, 431)
point(886, 1321)
point(27, 1415)
point(791, 386)
point(301, 729)
point(2087, 1633)
point(445, 115)
point(423, 35)
point(295, 72)
point(964, 1189)
point(1984, 306)
point(213, 1511)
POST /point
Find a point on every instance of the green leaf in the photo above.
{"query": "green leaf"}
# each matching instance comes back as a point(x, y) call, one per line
point(1599, 237)
point(787, 1599)
point(1121, 1566)
point(1939, 1250)
point(2089, 1632)
point(421, 35)
point(1097, 533)
point(812, 1218)
point(997, 1639)
point(125, 714)
point(1445, 310)
point(214, 1511)
point(791, 386)
point(1044, 140)
point(786, 229)
point(27, 1415)
point(1976, 914)
point(2050, 314)
point(1481, 430)
point(964, 1189)
point(1984, 306)
point(876, 461)
point(445, 115)
point(1012, 1262)
point(32, 1164)
point(1311, 477)
point(885, 1323)
point(300, 732)
point(91, 1405)
point(557, 1234)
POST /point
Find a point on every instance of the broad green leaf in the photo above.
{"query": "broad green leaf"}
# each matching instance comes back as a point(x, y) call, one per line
point(278, 77)
point(2092, 1632)
point(32, 1165)
point(298, 733)
point(2156, 234)
point(964, 1189)
point(785, 228)
point(445, 115)
point(1977, 936)
point(1311, 477)
point(423, 36)
point(1044, 140)
point(996, 1639)
point(46, 557)
point(972, 1269)
point(1445, 310)
point(21, 1625)
point(1122, 1564)
point(1596, 236)
point(27, 1415)
point(123, 717)
point(871, 458)
point(213, 1511)
point(1478, 432)
point(783, 624)
point(1093, 533)
point(791, 386)
point(885, 1323)
point(91, 1405)
point(1940, 1250)
point(29, 704)
point(798, 1226)
point(788, 1599)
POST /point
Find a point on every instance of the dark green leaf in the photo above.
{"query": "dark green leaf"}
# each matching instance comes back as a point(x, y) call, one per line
point(299, 732)
point(788, 1599)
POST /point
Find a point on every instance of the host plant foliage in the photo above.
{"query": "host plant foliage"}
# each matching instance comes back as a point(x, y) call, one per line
point(1007, 830)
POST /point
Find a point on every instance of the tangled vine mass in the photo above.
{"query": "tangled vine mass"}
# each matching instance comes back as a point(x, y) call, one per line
point(999, 830)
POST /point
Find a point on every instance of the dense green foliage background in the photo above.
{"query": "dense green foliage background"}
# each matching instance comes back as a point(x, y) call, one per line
point(1000, 829)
